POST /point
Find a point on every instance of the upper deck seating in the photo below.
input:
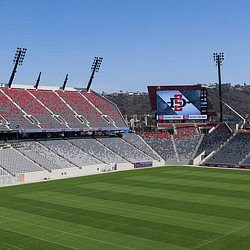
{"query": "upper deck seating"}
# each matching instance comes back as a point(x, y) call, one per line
point(70, 152)
point(106, 108)
point(13, 115)
point(233, 152)
point(32, 107)
point(158, 135)
point(51, 100)
point(185, 130)
point(93, 147)
point(137, 142)
point(16, 163)
point(162, 144)
point(43, 156)
point(84, 108)
point(124, 149)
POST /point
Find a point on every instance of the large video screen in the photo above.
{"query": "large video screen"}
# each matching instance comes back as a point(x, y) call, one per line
point(181, 104)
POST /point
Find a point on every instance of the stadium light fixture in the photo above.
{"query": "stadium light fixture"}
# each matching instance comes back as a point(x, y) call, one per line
point(65, 82)
point(18, 60)
point(94, 68)
point(218, 58)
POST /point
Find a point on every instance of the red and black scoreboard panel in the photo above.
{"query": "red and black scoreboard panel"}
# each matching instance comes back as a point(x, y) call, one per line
point(179, 102)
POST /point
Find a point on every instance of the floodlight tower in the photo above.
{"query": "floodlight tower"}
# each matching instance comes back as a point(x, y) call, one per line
point(18, 60)
point(218, 58)
point(95, 68)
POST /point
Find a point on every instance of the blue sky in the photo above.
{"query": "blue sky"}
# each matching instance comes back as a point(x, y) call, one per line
point(143, 42)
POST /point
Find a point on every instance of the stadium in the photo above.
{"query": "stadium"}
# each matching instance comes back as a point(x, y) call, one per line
point(54, 133)
point(152, 152)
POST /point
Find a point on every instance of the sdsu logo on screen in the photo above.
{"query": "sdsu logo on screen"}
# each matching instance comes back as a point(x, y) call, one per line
point(180, 105)
point(177, 102)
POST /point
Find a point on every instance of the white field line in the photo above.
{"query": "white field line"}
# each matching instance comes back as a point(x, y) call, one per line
point(122, 224)
point(210, 241)
point(35, 237)
point(125, 191)
point(73, 234)
point(7, 244)
point(136, 211)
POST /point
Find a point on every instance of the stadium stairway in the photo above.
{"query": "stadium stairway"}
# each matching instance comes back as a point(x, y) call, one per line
point(217, 149)
point(61, 156)
point(80, 148)
point(59, 107)
point(106, 107)
point(101, 152)
point(175, 149)
point(138, 142)
point(33, 107)
point(14, 115)
point(196, 149)
point(245, 160)
point(82, 106)
point(232, 151)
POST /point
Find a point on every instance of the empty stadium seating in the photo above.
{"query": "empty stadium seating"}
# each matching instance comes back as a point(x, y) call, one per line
point(93, 147)
point(159, 135)
point(51, 100)
point(185, 130)
point(84, 108)
point(2, 172)
point(137, 142)
point(233, 152)
point(162, 144)
point(71, 153)
point(32, 107)
point(15, 163)
point(186, 145)
point(13, 114)
point(124, 149)
point(212, 141)
point(40, 154)
point(246, 163)
point(106, 107)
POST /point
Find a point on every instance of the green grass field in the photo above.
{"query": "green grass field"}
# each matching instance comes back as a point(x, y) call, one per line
point(156, 208)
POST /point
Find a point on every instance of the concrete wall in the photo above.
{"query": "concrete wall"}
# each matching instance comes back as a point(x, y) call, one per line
point(69, 172)
point(7, 180)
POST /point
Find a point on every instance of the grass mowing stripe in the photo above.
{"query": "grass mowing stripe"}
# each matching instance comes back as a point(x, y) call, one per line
point(97, 206)
point(215, 195)
point(194, 183)
point(206, 171)
point(213, 179)
point(215, 239)
point(24, 239)
point(129, 197)
point(222, 202)
point(130, 241)
point(94, 219)
point(65, 232)
point(9, 246)
point(205, 209)
point(168, 222)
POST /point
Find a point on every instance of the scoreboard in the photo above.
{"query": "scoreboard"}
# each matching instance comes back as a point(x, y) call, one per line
point(180, 103)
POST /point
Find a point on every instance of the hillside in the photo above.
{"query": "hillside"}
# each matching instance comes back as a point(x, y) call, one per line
point(139, 104)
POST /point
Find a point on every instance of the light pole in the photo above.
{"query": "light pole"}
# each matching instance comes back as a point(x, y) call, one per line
point(218, 58)
point(95, 68)
point(18, 60)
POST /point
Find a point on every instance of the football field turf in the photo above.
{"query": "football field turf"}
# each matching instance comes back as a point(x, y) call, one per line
point(157, 208)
